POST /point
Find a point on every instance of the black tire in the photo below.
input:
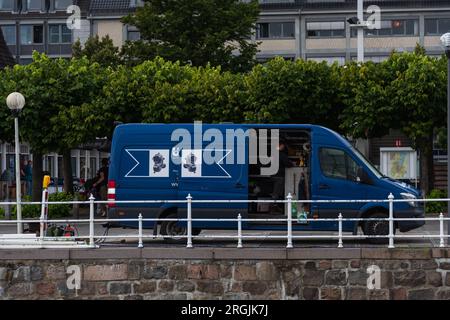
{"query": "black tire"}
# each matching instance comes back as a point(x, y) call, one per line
point(377, 228)
point(170, 228)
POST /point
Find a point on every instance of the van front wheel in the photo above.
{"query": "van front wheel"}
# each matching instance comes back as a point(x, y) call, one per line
point(377, 228)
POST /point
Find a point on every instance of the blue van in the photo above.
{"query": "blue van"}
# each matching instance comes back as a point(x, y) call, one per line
point(249, 161)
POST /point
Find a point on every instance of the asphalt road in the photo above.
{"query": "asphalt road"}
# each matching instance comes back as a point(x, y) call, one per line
point(129, 237)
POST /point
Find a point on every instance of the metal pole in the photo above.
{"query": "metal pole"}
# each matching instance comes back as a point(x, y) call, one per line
point(91, 220)
point(441, 230)
point(448, 144)
point(340, 243)
point(239, 231)
point(289, 221)
point(140, 245)
point(189, 221)
point(360, 14)
point(18, 186)
point(391, 220)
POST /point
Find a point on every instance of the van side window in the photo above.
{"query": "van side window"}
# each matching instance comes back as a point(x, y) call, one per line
point(335, 163)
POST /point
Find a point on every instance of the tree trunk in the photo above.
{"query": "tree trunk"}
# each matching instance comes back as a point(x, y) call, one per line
point(67, 171)
point(425, 147)
point(37, 176)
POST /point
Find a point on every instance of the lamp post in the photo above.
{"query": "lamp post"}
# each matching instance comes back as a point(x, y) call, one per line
point(15, 102)
point(445, 41)
point(359, 23)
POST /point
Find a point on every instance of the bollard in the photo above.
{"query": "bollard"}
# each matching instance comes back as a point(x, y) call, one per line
point(441, 231)
point(91, 221)
point(140, 245)
point(391, 221)
point(44, 208)
point(189, 221)
point(289, 221)
point(340, 243)
point(239, 231)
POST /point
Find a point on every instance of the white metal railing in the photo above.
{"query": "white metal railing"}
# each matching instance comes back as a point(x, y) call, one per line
point(239, 220)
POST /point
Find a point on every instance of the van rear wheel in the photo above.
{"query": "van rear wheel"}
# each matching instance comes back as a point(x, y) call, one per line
point(377, 228)
point(172, 229)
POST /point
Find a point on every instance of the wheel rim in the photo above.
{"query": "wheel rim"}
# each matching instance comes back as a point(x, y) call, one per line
point(379, 228)
point(173, 229)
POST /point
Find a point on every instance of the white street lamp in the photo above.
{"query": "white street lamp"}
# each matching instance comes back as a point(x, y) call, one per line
point(359, 23)
point(15, 102)
point(445, 41)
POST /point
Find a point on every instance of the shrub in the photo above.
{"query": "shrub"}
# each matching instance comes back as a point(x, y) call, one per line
point(2, 213)
point(55, 211)
point(436, 207)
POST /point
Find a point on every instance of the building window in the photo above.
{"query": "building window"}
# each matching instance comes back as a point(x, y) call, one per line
point(328, 60)
point(59, 33)
point(34, 5)
point(6, 5)
point(133, 35)
point(394, 28)
point(9, 33)
point(31, 34)
point(275, 30)
point(334, 29)
point(62, 4)
point(437, 27)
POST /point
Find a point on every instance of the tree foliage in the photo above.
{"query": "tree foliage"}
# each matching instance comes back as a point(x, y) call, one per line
point(197, 32)
point(98, 50)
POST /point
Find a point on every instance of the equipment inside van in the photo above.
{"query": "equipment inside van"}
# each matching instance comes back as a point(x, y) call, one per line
point(249, 162)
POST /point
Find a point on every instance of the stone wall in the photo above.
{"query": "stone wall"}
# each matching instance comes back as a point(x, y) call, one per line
point(224, 274)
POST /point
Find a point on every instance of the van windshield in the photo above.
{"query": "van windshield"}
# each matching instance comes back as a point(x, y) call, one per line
point(367, 163)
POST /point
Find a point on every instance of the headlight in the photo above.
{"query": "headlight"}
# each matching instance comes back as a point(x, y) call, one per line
point(409, 196)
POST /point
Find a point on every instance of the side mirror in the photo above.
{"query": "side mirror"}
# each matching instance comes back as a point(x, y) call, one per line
point(363, 177)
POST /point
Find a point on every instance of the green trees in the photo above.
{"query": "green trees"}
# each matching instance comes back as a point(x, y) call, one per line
point(293, 92)
point(406, 92)
point(54, 89)
point(98, 50)
point(195, 32)
point(71, 102)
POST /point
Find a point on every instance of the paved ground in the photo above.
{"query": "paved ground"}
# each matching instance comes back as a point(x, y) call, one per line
point(128, 237)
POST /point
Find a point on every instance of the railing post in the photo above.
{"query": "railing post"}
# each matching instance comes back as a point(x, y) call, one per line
point(340, 243)
point(239, 231)
point(391, 221)
point(91, 221)
point(189, 221)
point(289, 221)
point(441, 230)
point(140, 245)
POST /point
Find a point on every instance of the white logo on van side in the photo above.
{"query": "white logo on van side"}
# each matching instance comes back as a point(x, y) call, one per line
point(158, 162)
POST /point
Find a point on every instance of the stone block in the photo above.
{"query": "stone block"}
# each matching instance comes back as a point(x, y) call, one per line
point(340, 264)
point(36, 273)
point(245, 272)
point(255, 288)
point(330, 293)
point(116, 288)
point(378, 294)
point(421, 294)
point(155, 272)
point(212, 287)
point(187, 286)
point(336, 277)
point(358, 277)
point(434, 278)
point(310, 293)
point(45, 288)
point(21, 274)
point(144, 287)
point(399, 294)
point(313, 278)
point(19, 290)
point(355, 293)
point(106, 272)
point(410, 278)
point(55, 272)
point(178, 272)
point(165, 285)
point(266, 271)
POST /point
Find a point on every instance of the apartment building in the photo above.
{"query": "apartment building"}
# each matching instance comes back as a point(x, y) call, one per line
point(318, 29)
point(40, 25)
